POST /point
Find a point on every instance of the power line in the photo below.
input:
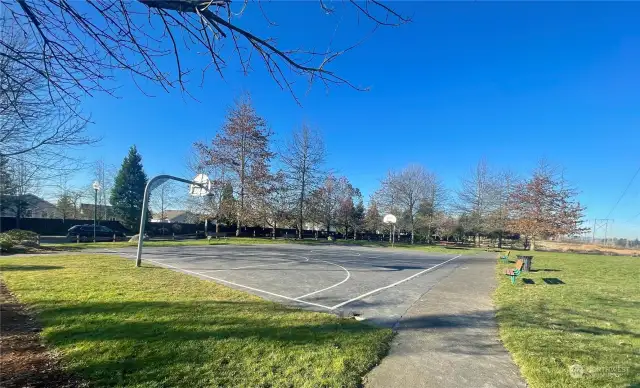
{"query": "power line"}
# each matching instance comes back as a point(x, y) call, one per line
point(624, 192)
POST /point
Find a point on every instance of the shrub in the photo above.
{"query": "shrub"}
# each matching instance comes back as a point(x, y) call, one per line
point(6, 242)
point(19, 236)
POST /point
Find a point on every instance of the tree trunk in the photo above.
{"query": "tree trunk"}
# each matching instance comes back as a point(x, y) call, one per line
point(412, 233)
point(477, 239)
point(217, 226)
point(500, 240)
point(273, 232)
point(532, 245)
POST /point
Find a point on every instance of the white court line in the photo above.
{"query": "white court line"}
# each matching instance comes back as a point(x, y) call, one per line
point(330, 287)
point(228, 282)
point(390, 285)
point(239, 285)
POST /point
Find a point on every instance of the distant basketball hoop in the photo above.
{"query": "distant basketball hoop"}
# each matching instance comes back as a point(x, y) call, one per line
point(391, 219)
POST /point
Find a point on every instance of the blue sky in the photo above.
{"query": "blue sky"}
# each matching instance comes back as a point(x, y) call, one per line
point(509, 82)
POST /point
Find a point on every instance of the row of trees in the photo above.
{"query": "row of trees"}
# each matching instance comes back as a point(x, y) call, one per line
point(248, 190)
point(304, 194)
point(488, 203)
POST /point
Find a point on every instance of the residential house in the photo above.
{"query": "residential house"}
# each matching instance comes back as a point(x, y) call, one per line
point(32, 207)
point(103, 212)
point(175, 216)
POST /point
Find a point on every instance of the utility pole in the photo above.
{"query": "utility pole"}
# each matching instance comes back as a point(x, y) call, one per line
point(600, 223)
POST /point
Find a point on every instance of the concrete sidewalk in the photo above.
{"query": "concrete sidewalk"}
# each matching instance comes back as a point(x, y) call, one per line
point(449, 338)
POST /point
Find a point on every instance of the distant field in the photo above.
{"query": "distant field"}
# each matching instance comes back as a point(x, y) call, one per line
point(152, 327)
point(584, 332)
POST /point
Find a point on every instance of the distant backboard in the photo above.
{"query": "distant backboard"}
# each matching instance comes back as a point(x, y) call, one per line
point(389, 219)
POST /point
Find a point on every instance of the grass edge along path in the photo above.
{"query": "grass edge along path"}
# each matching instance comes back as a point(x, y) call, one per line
point(119, 326)
point(584, 332)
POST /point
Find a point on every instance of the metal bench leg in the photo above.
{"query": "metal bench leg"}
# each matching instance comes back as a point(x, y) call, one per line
point(513, 279)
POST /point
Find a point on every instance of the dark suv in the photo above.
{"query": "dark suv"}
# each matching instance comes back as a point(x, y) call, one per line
point(85, 233)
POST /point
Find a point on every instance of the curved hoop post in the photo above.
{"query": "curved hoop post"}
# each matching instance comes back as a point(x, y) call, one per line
point(145, 207)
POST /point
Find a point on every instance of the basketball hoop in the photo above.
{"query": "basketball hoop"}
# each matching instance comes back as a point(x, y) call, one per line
point(201, 186)
point(391, 219)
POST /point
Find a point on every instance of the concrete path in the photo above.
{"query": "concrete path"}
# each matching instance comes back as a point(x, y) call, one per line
point(448, 338)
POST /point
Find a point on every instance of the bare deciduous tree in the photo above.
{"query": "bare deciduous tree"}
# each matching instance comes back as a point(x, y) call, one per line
point(31, 120)
point(211, 207)
point(373, 218)
point(68, 197)
point(404, 191)
point(477, 198)
point(163, 197)
point(499, 217)
point(545, 206)
point(276, 205)
point(303, 158)
point(104, 175)
point(79, 45)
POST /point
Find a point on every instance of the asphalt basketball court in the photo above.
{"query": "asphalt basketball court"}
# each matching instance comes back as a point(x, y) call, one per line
point(377, 285)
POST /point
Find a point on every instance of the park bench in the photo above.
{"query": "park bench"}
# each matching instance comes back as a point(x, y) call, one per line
point(216, 235)
point(514, 272)
point(505, 258)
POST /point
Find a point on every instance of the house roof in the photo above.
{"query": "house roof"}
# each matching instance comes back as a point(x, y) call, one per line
point(34, 201)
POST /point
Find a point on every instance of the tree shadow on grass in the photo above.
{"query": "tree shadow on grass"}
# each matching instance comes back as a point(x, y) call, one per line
point(11, 267)
point(150, 338)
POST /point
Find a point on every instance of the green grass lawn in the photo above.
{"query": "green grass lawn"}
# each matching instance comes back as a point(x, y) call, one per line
point(115, 325)
point(583, 333)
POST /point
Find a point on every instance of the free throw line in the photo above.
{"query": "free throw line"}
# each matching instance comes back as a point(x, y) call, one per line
point(330, 287)
point(239, 285)
point(390, 285)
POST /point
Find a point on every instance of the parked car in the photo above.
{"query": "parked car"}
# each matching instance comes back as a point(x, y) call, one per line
point(85, 233)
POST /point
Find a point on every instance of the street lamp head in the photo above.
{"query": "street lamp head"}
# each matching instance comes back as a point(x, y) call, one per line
point(96, 185)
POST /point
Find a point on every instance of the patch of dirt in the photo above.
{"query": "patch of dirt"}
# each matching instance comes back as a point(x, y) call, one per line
point(24, 361)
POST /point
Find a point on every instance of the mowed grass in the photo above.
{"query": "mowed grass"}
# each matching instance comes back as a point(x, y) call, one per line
point(116, 325)
point(583, 333)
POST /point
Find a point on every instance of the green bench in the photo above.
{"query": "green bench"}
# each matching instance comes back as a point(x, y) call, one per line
point(505, 258)
point(514, 272)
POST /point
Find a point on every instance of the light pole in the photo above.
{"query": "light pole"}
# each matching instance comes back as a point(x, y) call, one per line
point(96, 187)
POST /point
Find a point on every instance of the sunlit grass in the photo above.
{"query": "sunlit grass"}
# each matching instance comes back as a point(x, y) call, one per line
point(583, 333)
point(116, 325)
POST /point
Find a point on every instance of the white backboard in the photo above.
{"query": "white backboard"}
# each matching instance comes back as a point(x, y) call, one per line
point(202, 188)
point(389, 219)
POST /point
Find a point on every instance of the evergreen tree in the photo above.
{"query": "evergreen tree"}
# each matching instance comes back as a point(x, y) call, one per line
point(65, 206)
point(7, 186)
point(128, 191)
point(373, 218)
